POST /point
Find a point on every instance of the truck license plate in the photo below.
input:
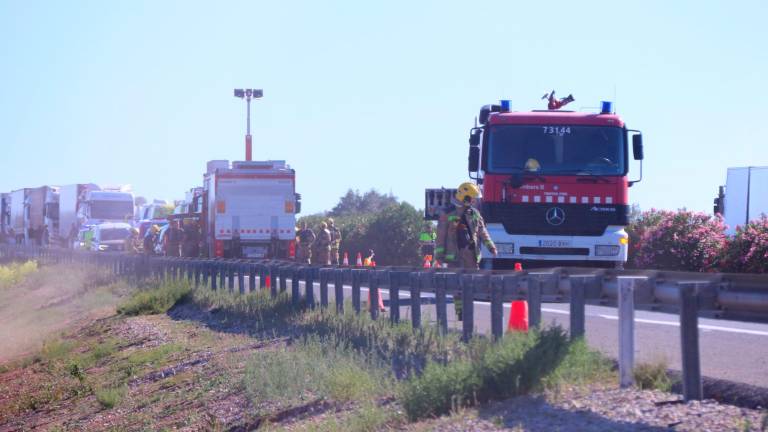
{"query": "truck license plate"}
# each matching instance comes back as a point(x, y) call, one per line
point(254, 251)
point(554, 243)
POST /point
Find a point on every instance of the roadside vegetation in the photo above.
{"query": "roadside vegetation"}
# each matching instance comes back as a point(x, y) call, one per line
point(14, 273)
point(683, 240)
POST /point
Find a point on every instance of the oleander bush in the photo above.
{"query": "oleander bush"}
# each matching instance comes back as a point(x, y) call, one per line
point(747, 250)
point(677, 240)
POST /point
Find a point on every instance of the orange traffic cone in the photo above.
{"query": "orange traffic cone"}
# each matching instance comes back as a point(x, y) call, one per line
point(518, 316)
point(359, 260)
point(268, 282)
point(518, 266)
point(345, 263)
point(427, 259)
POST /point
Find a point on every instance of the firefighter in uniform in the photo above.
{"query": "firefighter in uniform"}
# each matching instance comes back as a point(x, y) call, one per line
point(335, 241)
point(460, 232)
point(324, 245)
point(427, 239)
point(305, 237)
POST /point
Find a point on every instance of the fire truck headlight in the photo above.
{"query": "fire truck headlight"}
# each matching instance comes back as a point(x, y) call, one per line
point(624, 241)
point(606, 250)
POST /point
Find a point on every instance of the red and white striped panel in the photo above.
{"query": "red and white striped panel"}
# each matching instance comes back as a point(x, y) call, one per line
point(561, 199)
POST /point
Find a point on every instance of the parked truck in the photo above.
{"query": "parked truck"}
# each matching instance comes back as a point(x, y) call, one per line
point(248, 209)
point(744, 197)
point(554, 185)
point(86, 204)
point(34, 215)
point(5, 217)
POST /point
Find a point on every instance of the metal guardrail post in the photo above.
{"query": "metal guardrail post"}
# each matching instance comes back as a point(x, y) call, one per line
point(295, 286)
point(689, 341)
point(284, 278)
point(577, 307)
point(198, 270)
point(415, 300)
point(251, 277)
point(309, 286)
point(441, 309)
point(373, 290)
point(324, 273)
point(274, 275)
point(338, 289)
point(222, 270)
point(467, 306)
point(497, 306)
point(212, 270)
point(356, 276)
point(240, 267)
point(395, 280)
point(534, 300)
point(626, 330)
point(262, 276)
point(230, 276)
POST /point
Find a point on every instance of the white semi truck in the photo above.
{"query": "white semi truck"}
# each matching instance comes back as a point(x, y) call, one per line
point(86, 204)
point(744, 197)
point(249, 209)
point(32, 210)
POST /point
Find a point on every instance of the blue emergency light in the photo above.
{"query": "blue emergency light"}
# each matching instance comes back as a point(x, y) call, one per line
point(606, 107)
point(506, 105)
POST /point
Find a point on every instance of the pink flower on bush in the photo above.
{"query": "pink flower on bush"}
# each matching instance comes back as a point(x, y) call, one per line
point(680, 240)
point(747, 251)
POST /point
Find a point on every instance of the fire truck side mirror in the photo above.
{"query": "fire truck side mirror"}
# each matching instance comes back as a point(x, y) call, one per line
point(637, 146)
point(474, 159)
point(474, 137)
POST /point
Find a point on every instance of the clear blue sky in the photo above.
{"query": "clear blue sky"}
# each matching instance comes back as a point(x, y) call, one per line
point(368, 94)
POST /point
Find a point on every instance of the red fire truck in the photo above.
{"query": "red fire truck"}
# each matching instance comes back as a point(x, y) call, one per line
point(554, 183)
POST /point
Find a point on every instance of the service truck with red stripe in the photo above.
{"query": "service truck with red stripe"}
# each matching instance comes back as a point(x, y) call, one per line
point(554, 184)
point(249, 209)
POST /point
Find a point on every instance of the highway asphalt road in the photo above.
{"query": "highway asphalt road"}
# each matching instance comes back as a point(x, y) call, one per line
point(730, 350)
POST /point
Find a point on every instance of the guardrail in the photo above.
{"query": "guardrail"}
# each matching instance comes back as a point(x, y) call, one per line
point(690, 293)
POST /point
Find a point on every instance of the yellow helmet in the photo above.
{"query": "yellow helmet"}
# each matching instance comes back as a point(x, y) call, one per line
point(330, 221)
point(532, 165)
point(323, 225)
point(468, 191)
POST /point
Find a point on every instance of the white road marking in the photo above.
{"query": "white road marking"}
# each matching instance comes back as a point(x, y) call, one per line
point(701, 326)
point(615, 318)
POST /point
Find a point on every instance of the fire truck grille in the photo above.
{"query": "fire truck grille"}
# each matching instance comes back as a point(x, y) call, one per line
point(542, 219)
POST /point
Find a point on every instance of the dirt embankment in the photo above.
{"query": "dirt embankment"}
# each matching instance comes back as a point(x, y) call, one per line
point(48, 301)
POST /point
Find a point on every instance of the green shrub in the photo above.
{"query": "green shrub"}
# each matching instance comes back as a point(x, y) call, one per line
point(108, 397)
point(653, 376)
point(14, 273)
point(440, 389)
point(313, 369)
point(259, 308)
point(518, 364)
point(156, 298)
point(56, 349)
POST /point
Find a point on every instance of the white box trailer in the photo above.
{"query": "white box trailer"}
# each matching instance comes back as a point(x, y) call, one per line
point(5, 213)
point(745, 196)
point(250, 209)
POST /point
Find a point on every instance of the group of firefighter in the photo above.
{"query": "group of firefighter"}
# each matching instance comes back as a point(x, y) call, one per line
point(457, 243)
point(180, 240)
point(326, 243)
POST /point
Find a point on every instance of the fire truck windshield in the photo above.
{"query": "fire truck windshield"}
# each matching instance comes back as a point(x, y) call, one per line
point(556, 149)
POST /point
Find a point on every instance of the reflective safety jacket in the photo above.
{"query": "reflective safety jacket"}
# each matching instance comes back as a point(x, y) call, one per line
point(335, 237)
point(463, 227)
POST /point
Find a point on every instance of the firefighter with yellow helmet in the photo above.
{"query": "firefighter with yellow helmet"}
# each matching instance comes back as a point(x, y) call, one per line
point(460, 233)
